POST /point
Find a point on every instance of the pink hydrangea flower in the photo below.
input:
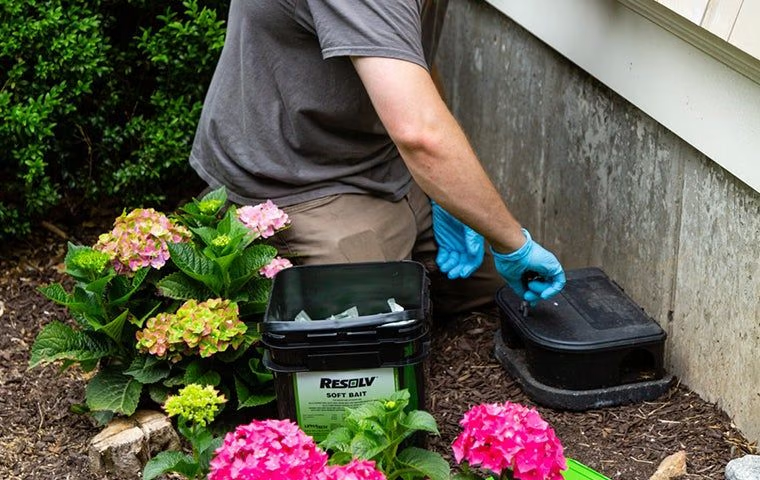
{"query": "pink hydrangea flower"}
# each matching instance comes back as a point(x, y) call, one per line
point(275, 266)
point(138, 239)
point(502, 436)
point(267, 450)
point(203, 328)
point(355, 470)
point(264, 218)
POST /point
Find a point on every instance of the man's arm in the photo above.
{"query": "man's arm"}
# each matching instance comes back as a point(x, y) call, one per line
point(435, 149)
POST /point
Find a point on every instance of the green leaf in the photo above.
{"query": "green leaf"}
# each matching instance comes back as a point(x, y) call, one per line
point(368, 446)
point(148, 369)
point(225, 261)
point(139, 322)
point(199, 373)
point(114, 328)
point(420, 420)
point(101, 417)
point(249, 263)
point(129, 288)
point(98, 286)
point(158, 392)
point(58, 341)
point(56, 293)
point(175, 381)
point(207, 234)
point(207, 454)
point(259, 371)
point(430, 464)
point(372, 409)
point(72, 270)
point(179, 286)
point(338, 439)
point(217, 194)
point(169, 461)
point(114, 391)
point(195, 265)
point(246, 398)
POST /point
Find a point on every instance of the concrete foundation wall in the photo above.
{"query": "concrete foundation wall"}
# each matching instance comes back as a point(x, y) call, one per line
point(602, 184)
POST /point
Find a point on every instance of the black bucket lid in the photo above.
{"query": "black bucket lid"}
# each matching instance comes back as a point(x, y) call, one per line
point(324, 290)
point(590, 313)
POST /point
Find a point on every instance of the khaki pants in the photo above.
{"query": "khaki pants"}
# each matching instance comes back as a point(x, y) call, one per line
point(362, 228)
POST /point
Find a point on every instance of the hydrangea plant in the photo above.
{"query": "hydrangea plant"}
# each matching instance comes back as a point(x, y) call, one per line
point(162, 301)
point(510, 441)
point(267, 450)
point(198, 328)
point(139, 239)
point(195, 407)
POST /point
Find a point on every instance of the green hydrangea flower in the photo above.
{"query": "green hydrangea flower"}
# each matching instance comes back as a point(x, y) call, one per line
point(90, 259)
point(202, 328)
point(195, 403)
point(221, 241)
point(210, 206)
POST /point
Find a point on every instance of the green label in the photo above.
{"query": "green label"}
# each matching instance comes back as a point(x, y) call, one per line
point(321, 397)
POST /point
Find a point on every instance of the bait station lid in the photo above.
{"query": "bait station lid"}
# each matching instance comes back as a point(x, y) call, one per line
point(590, 345)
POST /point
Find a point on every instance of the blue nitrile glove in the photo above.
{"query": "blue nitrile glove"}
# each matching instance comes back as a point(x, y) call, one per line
point(460, 248)
point(531, 258)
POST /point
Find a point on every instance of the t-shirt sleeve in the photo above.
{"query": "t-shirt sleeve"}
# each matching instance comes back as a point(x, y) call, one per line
point(369, 28)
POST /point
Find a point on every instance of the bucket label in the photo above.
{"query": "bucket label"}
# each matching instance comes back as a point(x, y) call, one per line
point(321, 397)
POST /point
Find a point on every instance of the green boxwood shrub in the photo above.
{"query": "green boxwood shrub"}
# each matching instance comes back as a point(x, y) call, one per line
point(99, 100)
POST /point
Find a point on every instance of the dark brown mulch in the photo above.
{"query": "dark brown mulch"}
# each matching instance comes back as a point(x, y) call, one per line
point(41, 439)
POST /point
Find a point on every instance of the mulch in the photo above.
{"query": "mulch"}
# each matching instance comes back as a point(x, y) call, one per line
point(41, 439)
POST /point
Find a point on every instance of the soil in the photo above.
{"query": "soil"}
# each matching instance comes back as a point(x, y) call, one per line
point(41, 439)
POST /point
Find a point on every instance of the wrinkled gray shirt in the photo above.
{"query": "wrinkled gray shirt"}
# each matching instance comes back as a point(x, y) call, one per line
point(286, 116)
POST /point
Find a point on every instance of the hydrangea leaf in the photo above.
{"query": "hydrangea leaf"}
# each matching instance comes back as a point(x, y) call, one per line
point(112, 390)
point(195, 265)
point(428, 463)
point(158, 392)
point(123, 294)
point(114, 328)
point(170, 461)
point(56, 293)
point(181, 287)
point(247, 398)
point(420, 420)
point(98, 286)
point(218, 195)
point(338, 440)
point(198, 373)
point(148, 369)
point(207, 234)
point(58, 341)
point(249, 263)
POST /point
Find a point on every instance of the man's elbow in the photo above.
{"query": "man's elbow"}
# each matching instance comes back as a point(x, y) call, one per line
point(415, 138)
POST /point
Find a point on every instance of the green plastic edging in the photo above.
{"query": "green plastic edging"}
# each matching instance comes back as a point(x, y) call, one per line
point(578, 471)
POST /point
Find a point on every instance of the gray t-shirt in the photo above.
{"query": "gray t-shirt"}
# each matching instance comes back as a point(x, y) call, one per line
point(286, 116)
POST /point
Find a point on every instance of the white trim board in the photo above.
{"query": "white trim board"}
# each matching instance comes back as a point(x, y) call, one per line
point(710, 105)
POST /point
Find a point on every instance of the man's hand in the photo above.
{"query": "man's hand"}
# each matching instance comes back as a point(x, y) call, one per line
point(531, 257)
point(460, 248)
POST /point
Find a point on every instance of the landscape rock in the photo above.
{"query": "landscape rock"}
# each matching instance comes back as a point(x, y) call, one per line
point(158, 431)
point(744, 468)
point(122, 448)
point(672, 466)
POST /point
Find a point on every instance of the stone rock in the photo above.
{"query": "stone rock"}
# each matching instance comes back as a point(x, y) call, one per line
point(119, 450)
point(125, 445)
point(744, 468)
point(158, 431)
point(672, 466)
